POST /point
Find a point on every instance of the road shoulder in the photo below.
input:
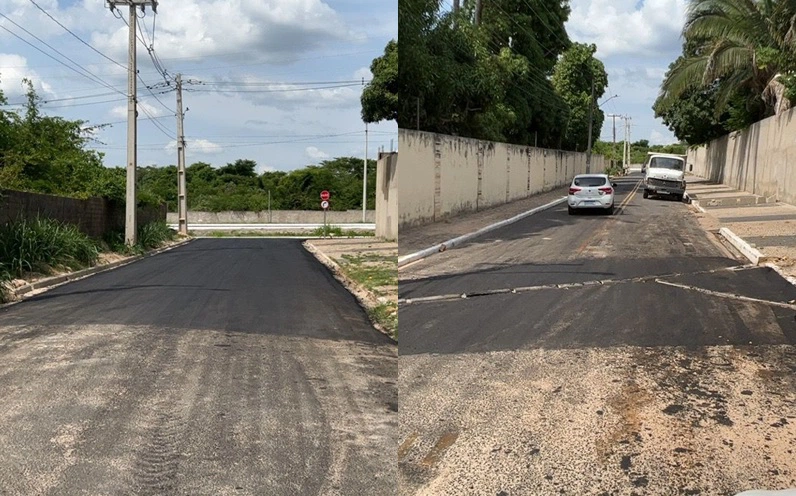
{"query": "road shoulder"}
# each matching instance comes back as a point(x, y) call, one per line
point(368, 269)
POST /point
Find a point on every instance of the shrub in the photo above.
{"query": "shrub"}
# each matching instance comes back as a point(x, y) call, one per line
point(40, 244)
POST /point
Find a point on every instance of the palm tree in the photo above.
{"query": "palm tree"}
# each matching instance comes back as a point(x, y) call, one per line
point(739, 44)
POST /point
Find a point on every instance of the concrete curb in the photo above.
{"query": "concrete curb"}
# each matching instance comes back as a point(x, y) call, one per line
point(51, 282)
point(353, 287)
point(753, 254)
point(413, 257)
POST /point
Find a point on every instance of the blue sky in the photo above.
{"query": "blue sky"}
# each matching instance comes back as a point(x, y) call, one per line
point(252, 61)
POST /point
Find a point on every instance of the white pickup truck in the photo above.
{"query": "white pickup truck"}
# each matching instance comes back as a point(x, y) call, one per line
point(664, 174)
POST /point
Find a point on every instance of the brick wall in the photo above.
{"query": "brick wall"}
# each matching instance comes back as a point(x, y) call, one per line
point(94, 216)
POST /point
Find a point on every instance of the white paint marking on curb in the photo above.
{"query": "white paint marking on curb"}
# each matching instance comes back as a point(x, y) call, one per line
point(466, 237)
point(742, 246)
point(699, 207)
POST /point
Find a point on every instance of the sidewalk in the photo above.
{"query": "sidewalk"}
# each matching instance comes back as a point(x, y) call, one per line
point(368, 268)
point(765, 224)
point(417, 238)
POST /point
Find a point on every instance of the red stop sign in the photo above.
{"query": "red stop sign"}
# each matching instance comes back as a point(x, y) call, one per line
point(325, 195)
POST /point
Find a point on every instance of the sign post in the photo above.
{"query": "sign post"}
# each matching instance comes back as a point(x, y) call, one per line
point(325, 206)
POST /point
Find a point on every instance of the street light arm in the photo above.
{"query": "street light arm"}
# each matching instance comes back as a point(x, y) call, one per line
point(606, 101)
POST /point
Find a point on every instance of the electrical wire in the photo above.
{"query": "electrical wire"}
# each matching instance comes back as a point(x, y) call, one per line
point(76, 36)
point(270, 91)
point(86, 73)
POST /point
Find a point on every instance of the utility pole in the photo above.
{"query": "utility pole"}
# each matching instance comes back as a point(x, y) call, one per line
point(478, 7)
point(591, 113)
point(182, 198)
point(130, 224)
point(365, 179)
point(613, 118)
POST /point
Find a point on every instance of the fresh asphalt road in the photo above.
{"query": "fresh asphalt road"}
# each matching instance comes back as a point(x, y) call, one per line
point(225, 366)
point(596, 354)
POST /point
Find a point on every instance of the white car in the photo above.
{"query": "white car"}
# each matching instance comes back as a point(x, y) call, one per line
point(591, 191)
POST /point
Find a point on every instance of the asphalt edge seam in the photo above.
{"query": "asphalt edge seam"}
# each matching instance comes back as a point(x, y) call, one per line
point(754, 255)
point(440, 247)
point(22, 292)
point(357, 290)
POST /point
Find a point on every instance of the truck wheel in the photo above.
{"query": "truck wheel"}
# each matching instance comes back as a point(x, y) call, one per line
point(646, 194)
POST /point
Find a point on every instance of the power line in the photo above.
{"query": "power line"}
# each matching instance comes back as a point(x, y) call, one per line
point(86, 74)
point(76, 36)
point(273, 83)
point(284, 90)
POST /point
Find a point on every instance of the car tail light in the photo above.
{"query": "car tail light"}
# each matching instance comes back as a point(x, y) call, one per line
point(573, 190)
point(606, 190)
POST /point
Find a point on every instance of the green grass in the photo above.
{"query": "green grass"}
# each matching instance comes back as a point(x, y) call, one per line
point(371, 270)
point(42, 245)
point(386, 315)
point(376, 273)
point(152, 235)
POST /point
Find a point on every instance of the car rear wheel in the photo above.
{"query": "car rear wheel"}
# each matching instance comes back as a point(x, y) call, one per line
point(610, 210)
point(570, 210)
point(679, 198)
point(646, 194)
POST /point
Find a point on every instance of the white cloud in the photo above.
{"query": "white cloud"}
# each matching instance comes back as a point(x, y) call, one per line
point(195, 147)
point(277, 30)
point(658, 138)
point(618, 27)
point(263, 92)
point(363, 72)
point(13, 69)
point(315, 154)
point(144, 110)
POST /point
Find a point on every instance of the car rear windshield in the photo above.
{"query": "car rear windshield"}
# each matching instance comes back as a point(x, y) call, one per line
point(590, 181)
point(666, 163)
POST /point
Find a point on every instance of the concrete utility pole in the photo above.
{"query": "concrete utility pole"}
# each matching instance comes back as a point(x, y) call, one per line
point(613, 118)
point(182, 198)
point(365, 179)
point(130, 225)
point(591, 114)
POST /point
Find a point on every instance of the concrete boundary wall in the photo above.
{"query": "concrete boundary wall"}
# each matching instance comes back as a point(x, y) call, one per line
point(443, 175)
point(387, 196)
point(761, 159)
point(276, 217)
point(93, 216)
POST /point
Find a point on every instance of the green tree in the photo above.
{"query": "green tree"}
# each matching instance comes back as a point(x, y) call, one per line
point(740, 45)
point(380, 96)
point(573, 77)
